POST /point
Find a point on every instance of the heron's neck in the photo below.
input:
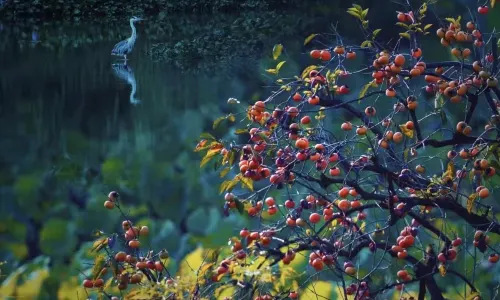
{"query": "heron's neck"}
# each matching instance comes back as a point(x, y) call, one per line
point(134, 31)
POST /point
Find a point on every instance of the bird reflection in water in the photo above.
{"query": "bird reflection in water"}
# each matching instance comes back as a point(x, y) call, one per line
point(125, 73)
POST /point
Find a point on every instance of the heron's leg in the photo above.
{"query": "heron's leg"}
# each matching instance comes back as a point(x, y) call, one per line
point(125, 56)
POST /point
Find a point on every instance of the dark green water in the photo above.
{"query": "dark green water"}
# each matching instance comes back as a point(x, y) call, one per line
point(70, 132)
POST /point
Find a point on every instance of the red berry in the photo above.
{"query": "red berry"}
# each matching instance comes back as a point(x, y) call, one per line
point(87, 283)
point(315, 54)
point(457, 242)
point(289, 204)
point(483, 9)
point(325, 55)
point(314, 218)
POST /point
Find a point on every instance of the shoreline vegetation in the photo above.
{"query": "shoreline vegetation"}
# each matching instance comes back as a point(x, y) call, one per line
point(75, 10)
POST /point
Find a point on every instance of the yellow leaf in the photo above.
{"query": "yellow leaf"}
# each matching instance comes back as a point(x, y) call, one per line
point(470, 201)
point(450, 171)
point(192, 262)
point(202, 145)
point(9, 285)
point(405, 154)
point(423, 9)
point(142, 293)
point(492, 2)
point(451, 20)
point(272, 71)
point(307, 70)
point(224, 172)
point(309, 38)
point(214, 151)
point(224, 292)
point(241, 131)
point(99, 263)
point(278, 67)
point(404, 34)
point(31, 288)
point(472, 296)
point(99, 244)
point(204, 268)
point(406, 131)
point(355, 14)
point(228, 185)
point(247, 182)
point(442, 270)
point(277, 49)
point(231, 118)
point(70, 288)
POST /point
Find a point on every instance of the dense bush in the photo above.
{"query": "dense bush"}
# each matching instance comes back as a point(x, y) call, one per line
point(395, 197)
point(113, 10)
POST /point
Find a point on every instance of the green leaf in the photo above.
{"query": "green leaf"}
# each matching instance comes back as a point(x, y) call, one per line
point(310, 38)
point(366, 44)
point(240, 206)
point(427, 26)
point(229, 117)
point(357, 7)
point(207, 136)
point(403, 25)
point(278, 67)
point(263, 136)
point(217, 121)
point(495, 165)
point(491, 149)
point(375, 33)
point(404, 34)
point(365, 88)
point(492, 3)
point(444, 117)
point(232, 157)
point(277, 49)
point(364, 13)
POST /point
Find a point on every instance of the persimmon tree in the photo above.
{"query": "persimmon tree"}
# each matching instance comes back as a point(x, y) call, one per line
point(381, 188)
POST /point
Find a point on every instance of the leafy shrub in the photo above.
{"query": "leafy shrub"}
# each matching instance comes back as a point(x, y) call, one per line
point(394, 197)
